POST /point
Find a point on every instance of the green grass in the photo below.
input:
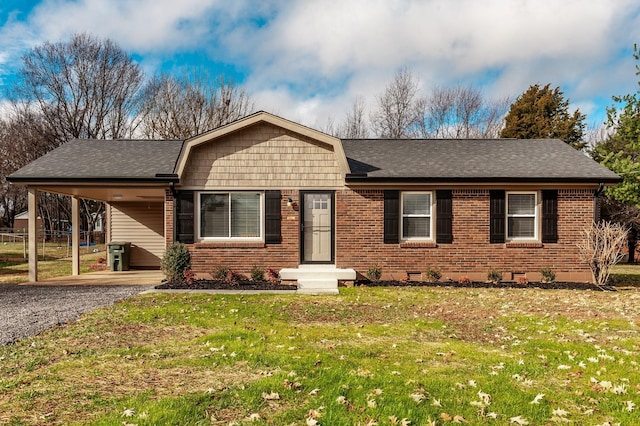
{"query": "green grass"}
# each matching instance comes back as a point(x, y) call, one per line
point(14, 268)
point(367, 355)
point(625, 274)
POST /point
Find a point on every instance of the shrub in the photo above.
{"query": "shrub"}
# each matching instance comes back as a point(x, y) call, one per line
point(523, 280)
point(175, 261)
point(232, 277)
point(220, 273)
point(494, 276)
point(257, 273)
point(464, 280)
point(272, 275)
point(432, 274)
point(189, 276)
point(374, 273)
point(602, 248)
point(548, 276)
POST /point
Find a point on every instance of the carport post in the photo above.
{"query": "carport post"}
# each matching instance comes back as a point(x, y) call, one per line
point(75, 235)
point(33, 233)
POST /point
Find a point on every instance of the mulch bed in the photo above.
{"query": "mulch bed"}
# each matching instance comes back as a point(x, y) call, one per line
point(222, 285)
point(266, 285)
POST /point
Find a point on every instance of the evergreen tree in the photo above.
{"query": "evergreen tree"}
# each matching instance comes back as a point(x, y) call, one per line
point(542, 112)
point(620, 152)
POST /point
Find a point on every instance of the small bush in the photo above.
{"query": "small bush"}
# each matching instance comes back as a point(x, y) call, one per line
point(272, 275)
point(220, 273)
point(548, 276)
point(189, 276)
point(464, 280)
point(232, 277)
point(175, 261)
point(523, 280)
point(494, 276)
point(257, 273)
point(374, 273)
point(432, 274)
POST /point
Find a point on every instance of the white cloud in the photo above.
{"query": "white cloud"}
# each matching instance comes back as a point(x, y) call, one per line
point(308, 59)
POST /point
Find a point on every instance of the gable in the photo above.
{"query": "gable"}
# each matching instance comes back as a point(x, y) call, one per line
point(262, 155)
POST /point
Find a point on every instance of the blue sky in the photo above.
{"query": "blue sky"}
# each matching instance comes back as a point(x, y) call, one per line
point(307, 60)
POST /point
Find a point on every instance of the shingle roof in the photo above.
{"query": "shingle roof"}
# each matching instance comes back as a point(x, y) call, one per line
point(370, 160)
point(135, 160)
point(471, 160)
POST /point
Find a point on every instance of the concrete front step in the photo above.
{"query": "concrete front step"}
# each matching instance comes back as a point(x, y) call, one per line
point(317, 279)
point(317, 286)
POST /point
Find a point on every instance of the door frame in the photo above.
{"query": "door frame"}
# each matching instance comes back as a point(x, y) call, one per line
point(332, 197)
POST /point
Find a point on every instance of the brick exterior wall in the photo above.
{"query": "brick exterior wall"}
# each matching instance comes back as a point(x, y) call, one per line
point(206, 257)
point(359, 241)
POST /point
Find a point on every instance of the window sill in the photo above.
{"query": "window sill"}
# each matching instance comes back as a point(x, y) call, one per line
point(418, 244)
point(523, 244)
point(204, 245)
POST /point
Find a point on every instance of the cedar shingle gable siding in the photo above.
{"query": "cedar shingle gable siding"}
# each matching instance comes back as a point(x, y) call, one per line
point(263, 156)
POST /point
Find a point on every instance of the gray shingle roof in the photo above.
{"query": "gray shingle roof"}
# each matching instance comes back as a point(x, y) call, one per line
point(370, 160)
point(136, 160)
point(471, 160)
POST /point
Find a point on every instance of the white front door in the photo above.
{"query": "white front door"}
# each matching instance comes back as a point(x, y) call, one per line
point(317, 227)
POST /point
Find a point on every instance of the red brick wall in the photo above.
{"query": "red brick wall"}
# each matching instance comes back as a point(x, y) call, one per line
point(359, 239)
point(241, 257)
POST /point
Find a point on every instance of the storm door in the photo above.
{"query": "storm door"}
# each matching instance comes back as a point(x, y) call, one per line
point(317, 219)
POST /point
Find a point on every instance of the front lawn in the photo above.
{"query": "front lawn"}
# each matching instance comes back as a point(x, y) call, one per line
point(385, 356)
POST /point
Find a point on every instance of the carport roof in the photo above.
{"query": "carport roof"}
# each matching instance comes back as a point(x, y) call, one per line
point(105, 161)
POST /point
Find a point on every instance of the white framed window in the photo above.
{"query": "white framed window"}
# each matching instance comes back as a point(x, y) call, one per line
point(230, 216)
point(417, 218)
point(522, 216)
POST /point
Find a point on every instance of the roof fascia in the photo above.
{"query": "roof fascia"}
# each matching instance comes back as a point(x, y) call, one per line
point(363, 180)
point(261, 117)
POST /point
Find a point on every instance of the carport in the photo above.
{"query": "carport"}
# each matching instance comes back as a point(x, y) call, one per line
point(132, 177)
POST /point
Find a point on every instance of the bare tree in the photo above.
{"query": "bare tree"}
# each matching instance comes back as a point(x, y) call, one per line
point(24, 136)
point(602, 248)
point(355, 125)
point(182, 107)
point(85, 88)
point(400, 109)
point(462, 112)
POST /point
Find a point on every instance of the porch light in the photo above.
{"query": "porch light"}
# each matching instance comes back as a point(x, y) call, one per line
point(289, 202)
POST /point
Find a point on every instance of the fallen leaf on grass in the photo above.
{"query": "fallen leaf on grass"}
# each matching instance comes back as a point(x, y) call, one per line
point(519, 420)
point(270, 396)
point(537, 399)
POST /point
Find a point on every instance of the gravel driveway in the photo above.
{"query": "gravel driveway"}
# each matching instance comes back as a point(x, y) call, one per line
point(29, 310)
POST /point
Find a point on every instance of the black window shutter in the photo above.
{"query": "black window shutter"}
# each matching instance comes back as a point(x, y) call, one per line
point(550, 216)
point(184, 217)
point(391, 216)
point(272, 217)
point(444, 217)
point(497, 216)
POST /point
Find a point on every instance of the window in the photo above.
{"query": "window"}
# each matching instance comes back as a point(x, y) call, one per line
point(416, 216)
point(231, 215)
point(522, 223)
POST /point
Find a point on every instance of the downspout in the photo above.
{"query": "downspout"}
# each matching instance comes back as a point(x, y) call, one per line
point(596, 204)
point(174, 194)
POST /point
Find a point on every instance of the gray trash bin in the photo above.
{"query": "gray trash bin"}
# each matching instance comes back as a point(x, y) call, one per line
point(119, 255)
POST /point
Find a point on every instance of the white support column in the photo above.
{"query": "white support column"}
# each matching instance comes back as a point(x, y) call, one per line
point(33, 234)
point(75, 235)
